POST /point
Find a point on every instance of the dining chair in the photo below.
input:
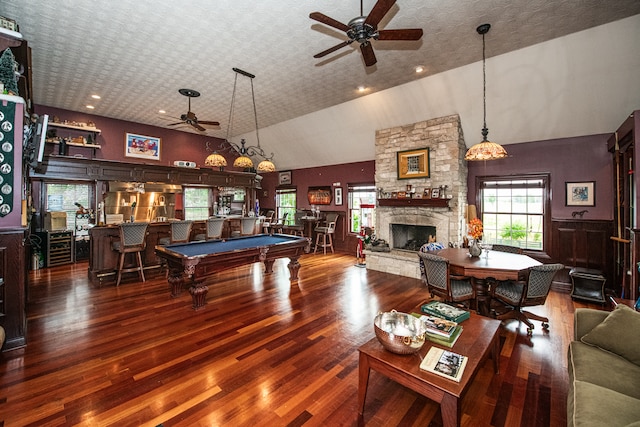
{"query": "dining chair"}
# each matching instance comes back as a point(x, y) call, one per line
point(132, 240)
point(517, 294)
point(507, 248)
point(436, 274)
point(213, 231)
point(325, 232)
point(180, 232)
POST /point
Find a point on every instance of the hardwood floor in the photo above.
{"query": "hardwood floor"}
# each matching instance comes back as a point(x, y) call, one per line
point(262, 352)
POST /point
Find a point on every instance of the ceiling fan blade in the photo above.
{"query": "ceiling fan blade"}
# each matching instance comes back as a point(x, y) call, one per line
point(377, 13)
point(206, 122)
point(332, 49)
point(403, 34)
point(197, 126)
point(367, 54)
point(321, 17)
point(174, 124)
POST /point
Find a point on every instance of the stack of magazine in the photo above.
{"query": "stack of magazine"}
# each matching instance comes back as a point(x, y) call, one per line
point(441, 331)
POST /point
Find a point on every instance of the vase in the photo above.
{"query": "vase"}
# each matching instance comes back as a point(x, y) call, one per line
point(474, 248)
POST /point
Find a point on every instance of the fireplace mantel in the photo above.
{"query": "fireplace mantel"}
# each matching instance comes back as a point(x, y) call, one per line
point(432, 203)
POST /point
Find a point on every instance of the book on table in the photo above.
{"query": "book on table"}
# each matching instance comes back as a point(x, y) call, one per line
point(438, 326)
point(445, 342)
point(446, 311)
point(445, 363)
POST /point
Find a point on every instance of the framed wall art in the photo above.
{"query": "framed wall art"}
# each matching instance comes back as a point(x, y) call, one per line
point(337, 194)
point(413, 163)
point(319, 195)
point(143, 147)
point(284, 178)
point(580, 193)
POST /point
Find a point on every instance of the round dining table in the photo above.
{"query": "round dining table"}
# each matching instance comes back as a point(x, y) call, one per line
point(489, 265)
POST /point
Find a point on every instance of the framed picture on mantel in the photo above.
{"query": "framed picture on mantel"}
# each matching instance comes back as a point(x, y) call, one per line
point(413, 163)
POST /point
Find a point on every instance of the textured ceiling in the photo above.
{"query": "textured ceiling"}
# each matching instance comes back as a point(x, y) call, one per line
point(137, 55)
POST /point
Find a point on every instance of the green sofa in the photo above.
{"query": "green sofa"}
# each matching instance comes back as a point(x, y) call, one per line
point(604, 368)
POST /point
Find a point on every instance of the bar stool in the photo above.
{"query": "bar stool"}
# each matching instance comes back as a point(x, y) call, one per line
point(132, 240)
point(326, 233)
point(268, 221)
point(297, 229)
point(278, 226)
point(248, 225)
point(214, 229)
point(180, 233)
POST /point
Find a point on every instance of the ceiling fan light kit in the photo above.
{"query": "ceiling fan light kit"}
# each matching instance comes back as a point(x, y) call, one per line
point(364, 28)
point(485, 150)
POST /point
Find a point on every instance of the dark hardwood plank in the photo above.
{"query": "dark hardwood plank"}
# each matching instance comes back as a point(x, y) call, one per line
point(263, 351)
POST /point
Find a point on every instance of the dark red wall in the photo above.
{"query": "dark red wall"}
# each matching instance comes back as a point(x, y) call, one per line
point(568, 159)
point(576, 159)
point(302, 179)
point(175, 145)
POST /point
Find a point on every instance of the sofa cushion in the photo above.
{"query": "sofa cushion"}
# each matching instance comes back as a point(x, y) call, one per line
point(602, 368)
point(593, 405)
point(618, 333)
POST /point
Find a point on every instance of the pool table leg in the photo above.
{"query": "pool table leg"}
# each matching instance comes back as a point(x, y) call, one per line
point(294, 266)
point(176, 282)
point(198, 293)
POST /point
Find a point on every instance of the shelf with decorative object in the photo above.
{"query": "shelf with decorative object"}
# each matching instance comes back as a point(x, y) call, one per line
point(432, 203)
point(73, 135)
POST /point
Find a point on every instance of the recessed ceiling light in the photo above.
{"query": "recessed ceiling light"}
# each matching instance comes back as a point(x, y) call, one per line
point(96, 96)
point(162, 112)
point(362, 89)
point(91, 107)
point(420, 69)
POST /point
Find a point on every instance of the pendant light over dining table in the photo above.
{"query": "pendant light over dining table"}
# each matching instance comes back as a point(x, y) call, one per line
point(485, 150)
point(243, 161)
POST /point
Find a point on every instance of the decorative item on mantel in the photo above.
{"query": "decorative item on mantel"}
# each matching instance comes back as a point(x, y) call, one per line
point(475, 231)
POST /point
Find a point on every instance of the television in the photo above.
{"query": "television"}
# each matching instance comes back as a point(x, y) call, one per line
point(35, 148)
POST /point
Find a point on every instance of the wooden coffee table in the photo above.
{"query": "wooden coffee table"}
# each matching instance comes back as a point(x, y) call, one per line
point(479, 338)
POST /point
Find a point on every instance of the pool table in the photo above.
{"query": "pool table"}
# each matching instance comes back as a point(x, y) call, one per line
point(193, 262)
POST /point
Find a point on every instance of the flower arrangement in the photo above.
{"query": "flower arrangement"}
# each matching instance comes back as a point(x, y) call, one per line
point(475, 228)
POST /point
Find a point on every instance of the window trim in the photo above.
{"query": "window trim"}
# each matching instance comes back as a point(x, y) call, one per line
point(547, 239)
point(351, 190)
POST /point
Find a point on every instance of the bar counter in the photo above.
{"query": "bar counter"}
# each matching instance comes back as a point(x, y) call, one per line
point(103, 259)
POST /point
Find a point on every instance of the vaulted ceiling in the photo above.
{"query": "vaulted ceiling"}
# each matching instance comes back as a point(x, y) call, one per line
point(136, 55)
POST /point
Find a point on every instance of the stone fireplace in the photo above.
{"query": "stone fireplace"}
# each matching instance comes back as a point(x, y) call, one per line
point(398, 221)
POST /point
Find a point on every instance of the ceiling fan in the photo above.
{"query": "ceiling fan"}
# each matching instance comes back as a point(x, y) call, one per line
point(364, 28)
point(189, 117)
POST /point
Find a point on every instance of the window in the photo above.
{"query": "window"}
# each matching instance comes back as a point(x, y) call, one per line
point(286, 202)
point(362, 206)
point(513, 210)
point(63, 197)
point(196, 203)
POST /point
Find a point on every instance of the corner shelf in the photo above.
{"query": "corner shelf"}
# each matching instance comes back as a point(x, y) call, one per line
point(430, 203)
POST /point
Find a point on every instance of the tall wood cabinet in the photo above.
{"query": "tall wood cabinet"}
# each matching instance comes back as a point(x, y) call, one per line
point(13, 264)
point(623, 146)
